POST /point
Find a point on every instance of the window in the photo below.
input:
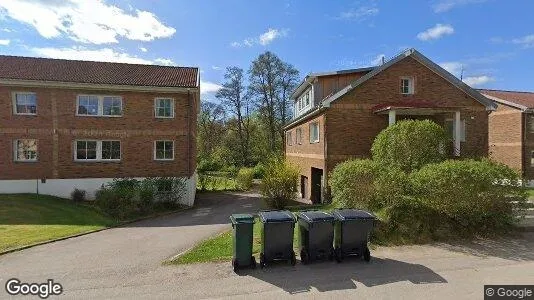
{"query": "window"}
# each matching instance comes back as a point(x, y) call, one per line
point(25, 104)
point(25, 150)
point(407, 86)
point(532, 158)
point(164, 108)
point(164, 150)
point(314, 133)
point(299, 136)
point(289, 139)
point(531, 123)
point(97, 150)
point(94, 105)
point(451, 128)
point(307, 98)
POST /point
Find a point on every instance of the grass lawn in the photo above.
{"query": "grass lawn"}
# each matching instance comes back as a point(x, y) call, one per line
point(219, 248)
point(530, 193)
point(26, 219)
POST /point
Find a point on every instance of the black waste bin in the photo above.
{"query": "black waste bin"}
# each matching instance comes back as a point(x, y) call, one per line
point(316, 234)
point(351, 234)
point(243, 225)
point(277, 237)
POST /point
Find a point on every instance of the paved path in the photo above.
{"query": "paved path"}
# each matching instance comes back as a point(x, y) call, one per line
point(125, 263)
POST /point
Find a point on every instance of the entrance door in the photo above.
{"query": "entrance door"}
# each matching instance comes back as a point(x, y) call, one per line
point(316, 185)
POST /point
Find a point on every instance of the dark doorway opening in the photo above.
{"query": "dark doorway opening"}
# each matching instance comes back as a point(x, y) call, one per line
point(316, 185)
point(303, 186)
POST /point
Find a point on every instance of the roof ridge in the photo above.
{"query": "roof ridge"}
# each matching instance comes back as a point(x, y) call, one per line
point(507, 91)
point(95, 61)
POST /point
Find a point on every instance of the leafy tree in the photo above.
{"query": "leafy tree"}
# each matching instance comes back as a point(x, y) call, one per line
point(210, 128)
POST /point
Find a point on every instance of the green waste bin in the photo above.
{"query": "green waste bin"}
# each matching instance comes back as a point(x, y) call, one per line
point(243, 225)
point(351, 233)
point(316, 235)
point(277, 237)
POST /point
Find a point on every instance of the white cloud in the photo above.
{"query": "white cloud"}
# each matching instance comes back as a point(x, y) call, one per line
point(446, 5)
point(207, 87)
point(527, 41)
point(269, 36)
point(359, 14)
point(216, 68)
point(263, 39)
point(378, 60)
point(105, 54)
point(478, 80)
point(435, 32)
point(5, 42)
point(93, 22)
point(453, 67)
point(164, 62)
point(143, 49)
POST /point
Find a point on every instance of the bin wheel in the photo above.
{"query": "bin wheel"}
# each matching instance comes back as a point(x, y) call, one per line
point(304, 257)
point(367, 254)
point(253, 262)
point(338, 254)
point(235, 264)
point(262, 260)
point(293, 258)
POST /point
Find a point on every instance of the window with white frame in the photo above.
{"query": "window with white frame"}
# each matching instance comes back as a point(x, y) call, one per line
point(298, 133)
point(451, 128)
point(303, 102)
point(164, 107)
point(289, 138)
point(24, 103)
point(91, 150)
point(163, 150)
point(95, 105)
point(314, 132)
point(25, 150)
point(407, 87)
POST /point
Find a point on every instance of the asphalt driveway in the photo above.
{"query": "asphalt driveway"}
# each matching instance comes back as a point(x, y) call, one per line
point(125, 263)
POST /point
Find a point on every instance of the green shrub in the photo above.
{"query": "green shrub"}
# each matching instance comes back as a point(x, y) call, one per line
point(352, 183)
point(78, 195)
point(206, 165)
point(244, 178)
point(115, 204)
point(409, 145)
point(279, 185)
point(474, 195)
point(259, 171)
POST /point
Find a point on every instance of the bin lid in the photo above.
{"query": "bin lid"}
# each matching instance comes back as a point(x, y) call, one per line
point(352, 214)
point(278, 216)
point(242, 218)
point(315, 216)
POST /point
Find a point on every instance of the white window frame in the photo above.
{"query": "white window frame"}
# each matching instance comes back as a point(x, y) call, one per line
point(15, 151)
point(164, 159)
point(318, 133)
point(156, 108)
point(411, 89)
point(289, 139)
point(463, 129)
point(14, 102)
point(98, 151)
point(100, 112)
point(298, 133)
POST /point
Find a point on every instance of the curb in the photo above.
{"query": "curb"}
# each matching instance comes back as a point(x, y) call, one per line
point(93, 231)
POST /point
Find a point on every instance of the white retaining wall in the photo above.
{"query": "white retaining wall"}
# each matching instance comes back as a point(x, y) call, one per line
point(63, 187)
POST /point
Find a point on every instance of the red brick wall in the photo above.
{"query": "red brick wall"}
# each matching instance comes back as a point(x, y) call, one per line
point(505, 136)
point(137, 129)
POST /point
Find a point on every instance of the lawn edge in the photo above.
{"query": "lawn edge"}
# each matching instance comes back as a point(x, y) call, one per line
point(93, 231)
point(169, 261)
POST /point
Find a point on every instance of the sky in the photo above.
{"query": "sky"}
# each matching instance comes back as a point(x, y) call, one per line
point(492, 41)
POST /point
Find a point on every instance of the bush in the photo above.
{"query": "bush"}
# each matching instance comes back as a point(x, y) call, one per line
point(244, 178)
point(409, 145)
point(259, 171)
point(206, 165)
point(78, 195)
point(114, 203)
point(279, 185)
point(474, 195)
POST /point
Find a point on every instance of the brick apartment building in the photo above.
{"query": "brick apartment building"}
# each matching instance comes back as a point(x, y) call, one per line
point(337, 115)
point(77, 124)
point(511, 130)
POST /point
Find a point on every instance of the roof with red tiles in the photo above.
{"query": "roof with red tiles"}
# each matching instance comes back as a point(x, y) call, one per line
point(523, 100)
point(92, 72)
